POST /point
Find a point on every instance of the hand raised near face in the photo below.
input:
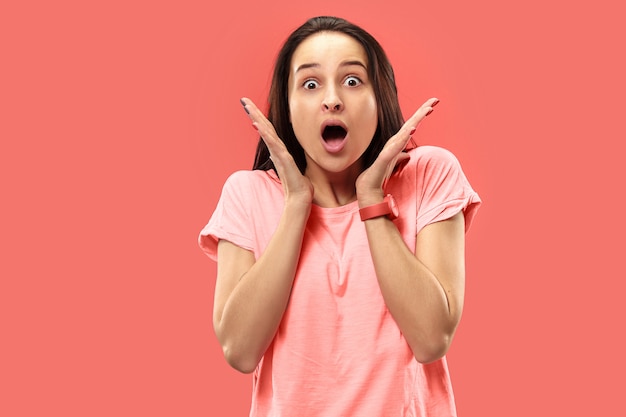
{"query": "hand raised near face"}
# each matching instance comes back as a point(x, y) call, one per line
point(297, 187)
point(369, 185)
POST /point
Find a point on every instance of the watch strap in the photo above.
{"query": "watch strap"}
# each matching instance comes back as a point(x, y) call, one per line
point(378, 210)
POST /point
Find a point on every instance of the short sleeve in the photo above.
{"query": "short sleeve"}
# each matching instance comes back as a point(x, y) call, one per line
point(443, 190)
point(231, 218)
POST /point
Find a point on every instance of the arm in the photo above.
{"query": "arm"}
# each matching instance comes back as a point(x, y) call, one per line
point(251, 295)
point(424, 292)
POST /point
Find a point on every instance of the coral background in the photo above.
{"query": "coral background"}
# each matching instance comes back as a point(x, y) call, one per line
point(120, 121)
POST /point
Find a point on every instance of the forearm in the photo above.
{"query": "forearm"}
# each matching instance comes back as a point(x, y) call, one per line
point(424, 310)
point(254, 309)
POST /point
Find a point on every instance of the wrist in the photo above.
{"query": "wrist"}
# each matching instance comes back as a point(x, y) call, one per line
point(370, 197)
point(387, 208)
point(296, 208)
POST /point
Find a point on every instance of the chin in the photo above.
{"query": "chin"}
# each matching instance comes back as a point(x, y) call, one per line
point(339, 167)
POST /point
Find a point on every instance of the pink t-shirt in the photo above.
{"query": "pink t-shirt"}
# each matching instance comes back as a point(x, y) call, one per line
point(338, 351)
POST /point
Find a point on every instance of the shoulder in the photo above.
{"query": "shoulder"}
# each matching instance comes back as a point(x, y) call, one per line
point(255, 180)
point(442, 187)
point(253, 189)
point(430, 163)
point(432, 156)
point(251, 177)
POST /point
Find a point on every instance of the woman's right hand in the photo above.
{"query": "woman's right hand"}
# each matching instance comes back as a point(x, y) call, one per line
point(298, 188)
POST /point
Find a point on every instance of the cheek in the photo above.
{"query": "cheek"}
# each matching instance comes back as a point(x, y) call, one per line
point(298, 122)
point(298, 112)
point(371, 104)
point(371, 110)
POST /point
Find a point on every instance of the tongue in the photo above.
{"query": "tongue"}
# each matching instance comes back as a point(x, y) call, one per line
point(334, 138)
point(334, 141)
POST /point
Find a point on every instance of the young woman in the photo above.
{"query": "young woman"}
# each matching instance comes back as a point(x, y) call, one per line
point(340, 256)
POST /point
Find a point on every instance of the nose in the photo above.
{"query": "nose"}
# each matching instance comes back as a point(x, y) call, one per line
point(332, 102)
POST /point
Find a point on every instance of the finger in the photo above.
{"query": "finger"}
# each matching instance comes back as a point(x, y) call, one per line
point(255, 115)
point(395, 145)
point(263, 126)
point(392, 154)
point(400, 140)
point(401, 158)
point(398, 160)
point(424, 110)
point(279, 154)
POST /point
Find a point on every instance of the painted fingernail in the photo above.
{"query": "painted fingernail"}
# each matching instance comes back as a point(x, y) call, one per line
point(412, 131)
point(429, 111)
point(435, 103)
point(244, 106)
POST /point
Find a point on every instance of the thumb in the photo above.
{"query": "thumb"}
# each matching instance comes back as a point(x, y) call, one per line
point(401, 158)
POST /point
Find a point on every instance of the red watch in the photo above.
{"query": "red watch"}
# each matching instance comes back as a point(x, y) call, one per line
point(388, 208)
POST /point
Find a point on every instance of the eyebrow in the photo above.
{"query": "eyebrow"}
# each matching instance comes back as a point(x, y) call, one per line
point(343, 64)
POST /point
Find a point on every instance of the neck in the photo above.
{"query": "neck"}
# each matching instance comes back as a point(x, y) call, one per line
point(333, 189)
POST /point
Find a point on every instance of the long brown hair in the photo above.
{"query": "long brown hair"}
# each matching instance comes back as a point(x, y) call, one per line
point(380, 73)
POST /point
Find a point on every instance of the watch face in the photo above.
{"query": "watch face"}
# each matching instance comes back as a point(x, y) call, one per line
point(395, 212)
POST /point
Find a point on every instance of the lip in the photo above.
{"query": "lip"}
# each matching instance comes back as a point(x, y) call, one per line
point(334, 147)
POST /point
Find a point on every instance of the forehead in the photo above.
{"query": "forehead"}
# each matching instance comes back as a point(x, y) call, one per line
point(328, 48)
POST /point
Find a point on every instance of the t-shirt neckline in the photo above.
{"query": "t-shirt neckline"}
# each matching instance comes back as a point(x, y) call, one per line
point(318, 210)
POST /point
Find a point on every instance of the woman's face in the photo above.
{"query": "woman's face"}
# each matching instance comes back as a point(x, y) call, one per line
point(332, 104)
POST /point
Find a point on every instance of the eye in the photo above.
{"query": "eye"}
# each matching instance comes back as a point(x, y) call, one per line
point(352, 81)
point(310, 85)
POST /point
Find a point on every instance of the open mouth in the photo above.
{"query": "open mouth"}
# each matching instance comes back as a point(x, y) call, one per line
point(333, 136)
point(334, 133)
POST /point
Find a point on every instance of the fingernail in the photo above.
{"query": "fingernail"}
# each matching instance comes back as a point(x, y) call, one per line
point(435, 103)
point(412, 131)
point(429, 111)
point(254, 126)
point(244, 105)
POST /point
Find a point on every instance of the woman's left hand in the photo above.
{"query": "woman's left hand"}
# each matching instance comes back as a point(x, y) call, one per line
point(369, 185)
